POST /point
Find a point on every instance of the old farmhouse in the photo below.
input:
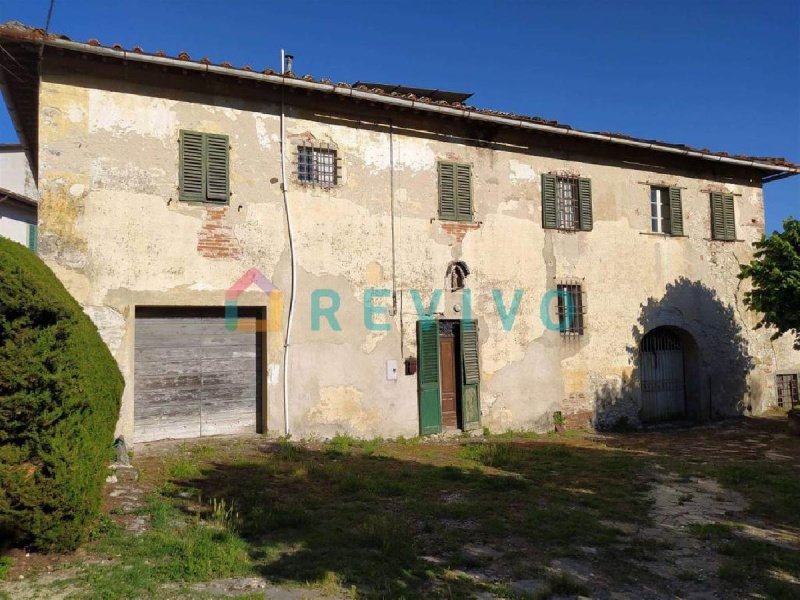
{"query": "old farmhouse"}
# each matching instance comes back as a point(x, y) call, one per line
point(263, 251)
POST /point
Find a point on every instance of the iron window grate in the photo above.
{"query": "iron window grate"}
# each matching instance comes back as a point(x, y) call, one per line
point(571, 309)
point(660, 341)
point(788, 394)
point(567, 203)
point(317, 165)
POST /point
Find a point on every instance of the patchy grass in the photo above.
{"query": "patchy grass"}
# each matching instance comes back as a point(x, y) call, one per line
point(421, 519)
point(176, 550)
point(183, 468)
point(369, 511)
point(5, 565)
point(746, 561)
point(390, 519)
point(773, 490)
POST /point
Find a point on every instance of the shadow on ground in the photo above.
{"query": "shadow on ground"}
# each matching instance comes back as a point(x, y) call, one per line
point(396, 525)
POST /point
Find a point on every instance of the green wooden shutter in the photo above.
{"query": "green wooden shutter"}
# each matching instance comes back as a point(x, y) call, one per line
point(675, 212)
point(191, 177)
point(447, 190)
point(216, 160)
point(33, 237)
point(549, 207)
point(728, 217)
point(430, 404)
point(463, 192)
point(717, 217)
point(471, 376)
point(585, 199)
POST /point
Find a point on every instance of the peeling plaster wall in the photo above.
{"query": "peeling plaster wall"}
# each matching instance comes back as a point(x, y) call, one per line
point(115, 233)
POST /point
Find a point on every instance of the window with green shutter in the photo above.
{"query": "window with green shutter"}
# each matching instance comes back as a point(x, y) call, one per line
point(455, 191)
point(204, 169)
point(470, 377)
point(566, 203)
point(675, 211)
point(430, 406)
point(723, 219)
point(666, 210)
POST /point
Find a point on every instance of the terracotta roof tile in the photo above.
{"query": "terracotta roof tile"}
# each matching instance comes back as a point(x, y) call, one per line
point(17, 30)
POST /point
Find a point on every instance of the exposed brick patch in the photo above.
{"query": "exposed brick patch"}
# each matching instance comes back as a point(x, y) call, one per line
point(577, 411)
point(217, 240)
point(458, 230)
point(579, 420)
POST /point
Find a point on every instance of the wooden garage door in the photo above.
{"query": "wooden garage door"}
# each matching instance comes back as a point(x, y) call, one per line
point(193, 377)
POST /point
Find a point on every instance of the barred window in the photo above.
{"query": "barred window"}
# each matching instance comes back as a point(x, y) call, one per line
point(568, 204)
point(788, 395)
point(571, 309)
point(318, 166)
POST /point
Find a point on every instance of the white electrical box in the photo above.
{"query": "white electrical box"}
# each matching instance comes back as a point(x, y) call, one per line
point(391, 370)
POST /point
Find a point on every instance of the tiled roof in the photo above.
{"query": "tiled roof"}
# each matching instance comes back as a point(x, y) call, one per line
point(16, 31)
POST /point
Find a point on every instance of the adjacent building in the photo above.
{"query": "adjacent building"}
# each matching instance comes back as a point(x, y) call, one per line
point(268, 252)
point(18, 197)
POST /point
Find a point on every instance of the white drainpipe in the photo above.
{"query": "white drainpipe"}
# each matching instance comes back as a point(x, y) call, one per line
point(287, 339)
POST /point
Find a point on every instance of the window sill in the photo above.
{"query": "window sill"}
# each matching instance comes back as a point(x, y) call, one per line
point(205, 202)
point(565, 230)
point(662, 235)
point(726, 241)
point(457, 221)
point(316, 185)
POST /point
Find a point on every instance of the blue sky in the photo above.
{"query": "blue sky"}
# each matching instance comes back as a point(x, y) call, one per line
point(719, 74)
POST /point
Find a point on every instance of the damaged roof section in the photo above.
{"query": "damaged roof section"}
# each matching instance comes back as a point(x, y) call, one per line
point(417, 92)
point(21, 48)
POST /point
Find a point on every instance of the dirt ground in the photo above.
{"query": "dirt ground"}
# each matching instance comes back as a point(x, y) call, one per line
point(702, 512)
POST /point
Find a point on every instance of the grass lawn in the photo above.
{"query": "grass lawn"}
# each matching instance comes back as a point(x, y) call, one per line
point(415, 519)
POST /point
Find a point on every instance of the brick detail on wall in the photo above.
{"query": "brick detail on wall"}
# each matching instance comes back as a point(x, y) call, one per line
point(458, 230)
point(216, 239)
point(577, 411)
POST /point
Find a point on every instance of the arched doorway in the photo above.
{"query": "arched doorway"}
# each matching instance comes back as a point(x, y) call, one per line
point(662, 375)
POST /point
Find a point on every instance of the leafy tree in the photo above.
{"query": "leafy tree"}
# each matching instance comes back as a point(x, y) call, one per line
point(775, 273)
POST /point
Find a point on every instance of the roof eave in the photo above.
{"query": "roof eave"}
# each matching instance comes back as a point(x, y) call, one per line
point(772, 170)
point(9, 196)
point(22, 134)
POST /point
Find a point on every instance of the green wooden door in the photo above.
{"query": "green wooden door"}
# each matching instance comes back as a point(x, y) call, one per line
point(470, 376)
point(430, 407)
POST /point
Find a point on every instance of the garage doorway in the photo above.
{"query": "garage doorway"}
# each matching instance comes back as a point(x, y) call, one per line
point(192, 376)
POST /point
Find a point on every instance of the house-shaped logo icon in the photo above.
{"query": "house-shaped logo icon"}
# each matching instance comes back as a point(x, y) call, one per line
point(274, 304)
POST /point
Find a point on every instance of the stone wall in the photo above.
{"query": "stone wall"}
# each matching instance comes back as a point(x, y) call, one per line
point(116, 234)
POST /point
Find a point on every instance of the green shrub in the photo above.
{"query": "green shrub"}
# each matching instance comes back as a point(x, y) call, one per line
point(60, 391)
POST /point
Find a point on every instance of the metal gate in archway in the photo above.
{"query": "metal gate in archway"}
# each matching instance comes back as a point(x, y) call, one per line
point(662, 377)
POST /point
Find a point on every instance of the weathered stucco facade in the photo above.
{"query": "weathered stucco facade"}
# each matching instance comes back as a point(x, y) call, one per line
point(113, 229)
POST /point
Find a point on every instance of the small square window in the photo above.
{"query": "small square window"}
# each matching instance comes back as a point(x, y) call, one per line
point(317, 166)
point(570, 309)
point(788, 395)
